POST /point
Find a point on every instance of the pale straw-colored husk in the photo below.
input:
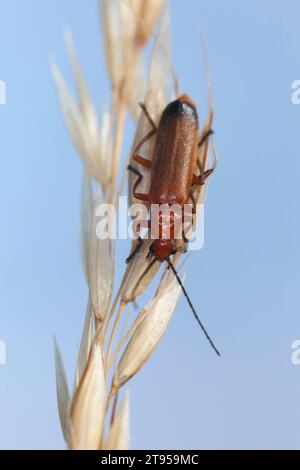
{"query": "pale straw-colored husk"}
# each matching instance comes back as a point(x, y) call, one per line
point(88, 406)
point(148, 334)
point(119, 434)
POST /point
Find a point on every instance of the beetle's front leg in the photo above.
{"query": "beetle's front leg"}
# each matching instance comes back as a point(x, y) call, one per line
point(151, 133)
point(136, 250)
point(140, 242)
point(147, 114)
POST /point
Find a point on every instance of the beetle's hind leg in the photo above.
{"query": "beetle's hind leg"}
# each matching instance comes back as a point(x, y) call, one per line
point(205, 136)
point(139, 196)
point(187, 218)
point(204, 174)
point(200, 180)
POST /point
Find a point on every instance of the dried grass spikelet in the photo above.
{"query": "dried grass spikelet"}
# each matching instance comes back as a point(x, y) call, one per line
point(88, 406)
point(92, 139)
point(98, 256)
point(138, 91)
point(121, 26)
point(157, 95)
point(140, 273)
point(127, 26)
point(147, 13)
point(118, 32)
point(158, 314)
point(118, 437)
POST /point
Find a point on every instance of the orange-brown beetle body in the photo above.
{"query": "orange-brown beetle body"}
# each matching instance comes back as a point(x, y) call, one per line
point(173, 167)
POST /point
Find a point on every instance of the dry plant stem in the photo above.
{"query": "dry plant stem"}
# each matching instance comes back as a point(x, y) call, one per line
point(113, 391)
point(98, 334)
point(114, 408)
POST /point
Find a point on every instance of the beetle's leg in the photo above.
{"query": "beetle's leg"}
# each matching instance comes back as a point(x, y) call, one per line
point(194, 202)
point(200, 180)
point(183, 231)
point(144, 140)
point(140, 242)
point(185, 239)
point(143, 161)
point(140, 196)
point(188, 219)
point(205, 137)
point(146, 112)
point(136, 250)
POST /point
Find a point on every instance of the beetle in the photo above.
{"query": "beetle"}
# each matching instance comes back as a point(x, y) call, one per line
point(173, 179)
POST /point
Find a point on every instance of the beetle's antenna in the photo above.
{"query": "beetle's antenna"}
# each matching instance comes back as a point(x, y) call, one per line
point(192, 307)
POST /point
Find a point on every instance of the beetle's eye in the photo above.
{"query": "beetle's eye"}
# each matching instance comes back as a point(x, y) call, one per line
point(174, 250)
point(151, 248)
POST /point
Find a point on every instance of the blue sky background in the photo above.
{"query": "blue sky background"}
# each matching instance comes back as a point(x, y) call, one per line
point(244, 282)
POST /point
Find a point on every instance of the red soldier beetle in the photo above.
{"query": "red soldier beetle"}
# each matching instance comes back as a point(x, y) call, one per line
point(173, 177)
